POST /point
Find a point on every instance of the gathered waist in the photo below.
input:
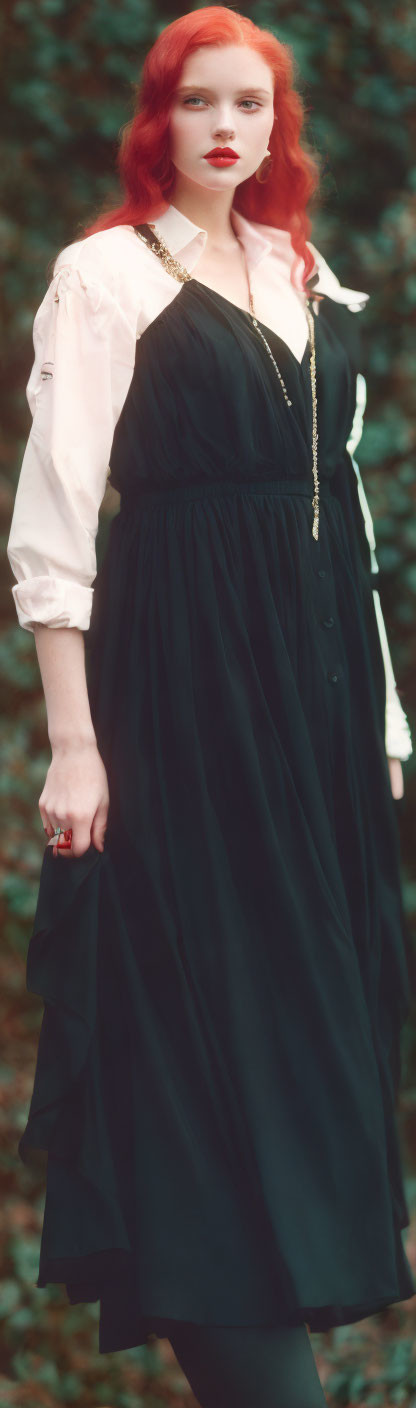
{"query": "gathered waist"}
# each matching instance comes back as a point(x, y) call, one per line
point(211, 488)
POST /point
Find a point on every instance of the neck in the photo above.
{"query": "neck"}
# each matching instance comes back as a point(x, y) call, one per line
point(210, 209)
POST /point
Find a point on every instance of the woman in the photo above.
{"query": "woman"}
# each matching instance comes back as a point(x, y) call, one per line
point(221, 949)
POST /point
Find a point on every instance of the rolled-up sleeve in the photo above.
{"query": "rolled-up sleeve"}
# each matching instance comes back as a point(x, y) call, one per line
point(324, 281)
point(398, 739)
point(84, 358)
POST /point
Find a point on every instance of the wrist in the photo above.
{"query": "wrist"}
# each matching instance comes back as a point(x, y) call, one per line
point(72, 741)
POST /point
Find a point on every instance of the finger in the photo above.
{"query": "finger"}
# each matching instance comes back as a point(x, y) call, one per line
point(81, 838)
point(57, 821)
point(56, 848)
point(99, 827)
point(61, 842)
point(46, 822)
point(64, 842)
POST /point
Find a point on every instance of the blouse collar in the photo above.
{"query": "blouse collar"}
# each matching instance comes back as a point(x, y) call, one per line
point(188, 241)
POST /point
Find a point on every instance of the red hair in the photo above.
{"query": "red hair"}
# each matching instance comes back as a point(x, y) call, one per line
point(146, 170)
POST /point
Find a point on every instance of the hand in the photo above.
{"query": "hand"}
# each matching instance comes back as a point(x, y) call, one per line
point(76, 796)
point(396, 777)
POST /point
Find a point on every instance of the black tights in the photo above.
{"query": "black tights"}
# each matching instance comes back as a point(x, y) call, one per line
point(248, 1366)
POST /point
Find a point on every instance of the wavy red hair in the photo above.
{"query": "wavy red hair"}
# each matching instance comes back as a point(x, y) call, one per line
point(146, 170)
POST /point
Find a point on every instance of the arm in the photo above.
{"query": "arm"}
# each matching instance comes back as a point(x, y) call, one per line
point(75, 793)
point(397, 735)
point(61, 657)
point(84, 357)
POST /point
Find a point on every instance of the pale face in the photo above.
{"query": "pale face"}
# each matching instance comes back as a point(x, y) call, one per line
point(224, 97)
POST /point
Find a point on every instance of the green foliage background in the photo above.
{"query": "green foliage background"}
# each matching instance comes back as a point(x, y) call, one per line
point(68, 90)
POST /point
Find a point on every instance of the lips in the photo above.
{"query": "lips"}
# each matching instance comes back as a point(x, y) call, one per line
point(222, 151)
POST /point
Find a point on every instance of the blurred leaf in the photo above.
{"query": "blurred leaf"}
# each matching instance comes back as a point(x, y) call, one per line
point(9, 1297)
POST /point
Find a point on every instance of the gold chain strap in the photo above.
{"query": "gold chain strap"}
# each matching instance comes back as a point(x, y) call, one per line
point(315, 500)
point(178, 271)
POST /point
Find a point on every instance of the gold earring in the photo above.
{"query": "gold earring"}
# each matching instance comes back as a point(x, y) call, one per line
point(263, 171)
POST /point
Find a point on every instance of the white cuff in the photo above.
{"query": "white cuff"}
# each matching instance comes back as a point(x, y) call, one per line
point(398, 736)
point(52, 601)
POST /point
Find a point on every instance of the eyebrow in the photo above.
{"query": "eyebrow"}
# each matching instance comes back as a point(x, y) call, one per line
point(190, 88)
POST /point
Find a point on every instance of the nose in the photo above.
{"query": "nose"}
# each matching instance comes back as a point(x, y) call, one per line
point(224, 127)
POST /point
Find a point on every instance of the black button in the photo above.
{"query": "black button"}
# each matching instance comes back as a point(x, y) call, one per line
point(327, 621)
point(332, 677)
point(322, 572)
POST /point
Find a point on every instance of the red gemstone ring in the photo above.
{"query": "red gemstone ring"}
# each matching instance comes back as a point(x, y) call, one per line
point(66, 842)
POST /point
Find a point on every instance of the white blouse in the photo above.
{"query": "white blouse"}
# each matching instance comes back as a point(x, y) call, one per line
point(104, 292)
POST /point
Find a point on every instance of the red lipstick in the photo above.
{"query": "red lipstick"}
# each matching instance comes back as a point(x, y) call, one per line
point(221, 156)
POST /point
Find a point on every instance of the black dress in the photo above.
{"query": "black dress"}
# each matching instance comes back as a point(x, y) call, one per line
point(225, 984)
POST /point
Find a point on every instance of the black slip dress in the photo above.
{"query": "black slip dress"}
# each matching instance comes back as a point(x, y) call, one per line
point(225, 984)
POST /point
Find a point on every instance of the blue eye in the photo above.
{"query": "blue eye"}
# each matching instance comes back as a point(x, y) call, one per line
point(201, 100)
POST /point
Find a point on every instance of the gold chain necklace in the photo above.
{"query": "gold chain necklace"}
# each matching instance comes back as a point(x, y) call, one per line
point(178, 271)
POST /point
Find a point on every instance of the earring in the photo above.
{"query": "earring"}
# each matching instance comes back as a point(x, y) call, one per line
point(263, 171)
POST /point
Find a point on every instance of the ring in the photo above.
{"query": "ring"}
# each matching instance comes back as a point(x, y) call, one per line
point(66, 843)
